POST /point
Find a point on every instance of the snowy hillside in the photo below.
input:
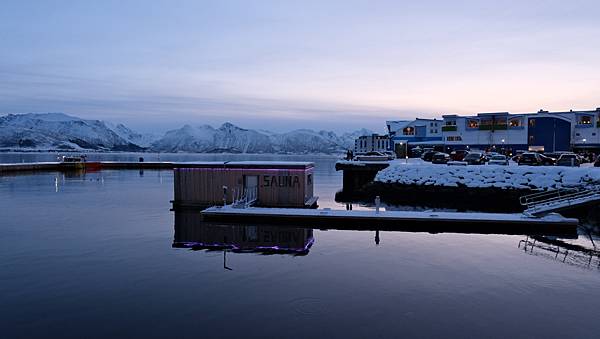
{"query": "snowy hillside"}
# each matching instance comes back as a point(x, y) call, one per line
point(57, 131)
point(233, 139)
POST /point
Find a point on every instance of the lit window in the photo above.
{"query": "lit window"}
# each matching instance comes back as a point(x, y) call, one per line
point(514, 122)
point(584, 120)
point(472, 124)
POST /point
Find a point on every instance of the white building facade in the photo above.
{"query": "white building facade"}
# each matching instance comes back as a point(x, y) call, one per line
point(372, 143)
point(540, 131)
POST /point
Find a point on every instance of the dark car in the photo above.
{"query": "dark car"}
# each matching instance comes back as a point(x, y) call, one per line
point(531, 159)
point(458, 155)
point(568, 159)
point(427, 156)
point(440, 158)
point(475, 158)
point(547, 160)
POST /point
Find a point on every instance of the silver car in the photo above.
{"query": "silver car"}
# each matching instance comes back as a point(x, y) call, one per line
point(498, 159)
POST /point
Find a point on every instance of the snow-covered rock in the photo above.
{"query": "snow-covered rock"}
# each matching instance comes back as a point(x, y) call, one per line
point(59, 131)
point(506, 177)
point(234, 139)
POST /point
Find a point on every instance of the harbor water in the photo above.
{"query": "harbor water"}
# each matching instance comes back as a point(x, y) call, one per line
point(100, 254)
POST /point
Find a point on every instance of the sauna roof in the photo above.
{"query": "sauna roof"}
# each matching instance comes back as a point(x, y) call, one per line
point(246, 164)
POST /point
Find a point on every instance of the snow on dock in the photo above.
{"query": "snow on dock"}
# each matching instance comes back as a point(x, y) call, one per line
point(506, 177)
point(398, 220)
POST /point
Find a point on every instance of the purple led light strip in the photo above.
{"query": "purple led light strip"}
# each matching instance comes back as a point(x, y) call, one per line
point(244, 169)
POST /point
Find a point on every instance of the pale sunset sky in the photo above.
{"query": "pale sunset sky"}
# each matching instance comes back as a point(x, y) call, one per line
point(282, 65)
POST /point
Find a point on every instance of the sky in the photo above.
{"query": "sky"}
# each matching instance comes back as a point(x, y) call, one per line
point(282, 65)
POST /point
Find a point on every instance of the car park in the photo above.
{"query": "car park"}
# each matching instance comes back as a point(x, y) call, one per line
point(440, 158)
point(428, 155)
point(568, 159)
point(498, 159)
point(475, 158)
point(458, 155)
point(547, 160)
point(530, 159)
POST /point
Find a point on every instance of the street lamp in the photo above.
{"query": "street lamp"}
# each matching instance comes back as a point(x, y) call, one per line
point(405, 150)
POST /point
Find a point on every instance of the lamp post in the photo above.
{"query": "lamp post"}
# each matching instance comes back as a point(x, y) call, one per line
point(405, 150)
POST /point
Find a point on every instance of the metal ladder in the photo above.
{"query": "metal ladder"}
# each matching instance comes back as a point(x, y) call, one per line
point(550, 201)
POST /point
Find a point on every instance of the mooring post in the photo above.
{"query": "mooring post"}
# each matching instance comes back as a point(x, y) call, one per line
point(377, 203)
point(224, 195)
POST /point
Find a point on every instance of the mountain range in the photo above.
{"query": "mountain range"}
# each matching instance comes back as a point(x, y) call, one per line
point(58, 131)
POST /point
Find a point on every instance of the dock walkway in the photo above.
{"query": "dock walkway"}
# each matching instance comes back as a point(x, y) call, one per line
point(73, 166)
point(398, 220)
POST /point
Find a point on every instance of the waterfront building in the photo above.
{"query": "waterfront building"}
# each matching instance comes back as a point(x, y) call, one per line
point(502, 131)
point(372, 143)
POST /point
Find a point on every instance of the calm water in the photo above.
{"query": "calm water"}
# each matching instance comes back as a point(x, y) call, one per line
point(98, 255)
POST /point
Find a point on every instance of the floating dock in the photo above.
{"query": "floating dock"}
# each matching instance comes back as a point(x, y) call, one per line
point(77, 166)
point(434, 222)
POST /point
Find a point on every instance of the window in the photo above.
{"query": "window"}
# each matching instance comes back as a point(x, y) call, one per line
point(450, 123)
point(531, 122)
point(577, 134)
point(472, 123)
point(531, 139)
point(584, 120)
point(515, 122)
point(454, 138)
point(408, 131)
point(431, 124)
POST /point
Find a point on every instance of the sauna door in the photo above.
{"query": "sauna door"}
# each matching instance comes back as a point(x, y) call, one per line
point(251, 185)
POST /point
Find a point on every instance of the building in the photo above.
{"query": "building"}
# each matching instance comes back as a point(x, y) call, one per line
point(407, 134)
point(502, 131)
point(372, 143)
point(266, 183)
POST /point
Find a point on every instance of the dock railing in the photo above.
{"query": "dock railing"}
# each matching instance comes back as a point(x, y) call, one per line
point(548, 201)
point(245, 197)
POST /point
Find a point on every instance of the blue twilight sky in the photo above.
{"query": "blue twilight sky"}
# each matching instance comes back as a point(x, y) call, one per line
point(281, 65)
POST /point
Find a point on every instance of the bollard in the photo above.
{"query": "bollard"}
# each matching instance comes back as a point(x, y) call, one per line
point(224, 195)
point(377, 203)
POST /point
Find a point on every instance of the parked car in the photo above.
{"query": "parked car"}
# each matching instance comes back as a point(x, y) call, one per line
point(568, 159)
point(458, 155)
point(531, 159)
point(427, 156)
point(475, 158)
point(498, 159)
point(373, 156)
point(440, 158)
point(547, 160)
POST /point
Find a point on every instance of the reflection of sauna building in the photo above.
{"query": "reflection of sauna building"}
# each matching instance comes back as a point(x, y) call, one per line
point(191, 232)
point(269, 184)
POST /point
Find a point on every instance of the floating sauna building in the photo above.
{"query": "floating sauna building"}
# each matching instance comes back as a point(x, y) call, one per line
point(265, 184)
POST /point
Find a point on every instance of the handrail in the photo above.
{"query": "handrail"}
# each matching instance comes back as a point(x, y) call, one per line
point(524, 200)
point(534, 203)
point(245, 197)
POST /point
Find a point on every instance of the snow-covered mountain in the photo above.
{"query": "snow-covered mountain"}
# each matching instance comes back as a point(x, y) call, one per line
point(58, 131)
point(233, 139)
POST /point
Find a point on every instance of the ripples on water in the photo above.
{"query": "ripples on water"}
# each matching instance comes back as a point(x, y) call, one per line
point(101, 255)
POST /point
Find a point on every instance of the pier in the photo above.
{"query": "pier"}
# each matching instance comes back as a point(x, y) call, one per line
point(77, 166)
point(410, 221)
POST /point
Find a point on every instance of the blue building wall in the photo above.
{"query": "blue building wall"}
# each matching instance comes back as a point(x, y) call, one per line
point(552, 133)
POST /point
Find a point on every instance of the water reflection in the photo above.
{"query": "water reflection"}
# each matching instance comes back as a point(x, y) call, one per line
point(583, 254)
point(192, 232)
